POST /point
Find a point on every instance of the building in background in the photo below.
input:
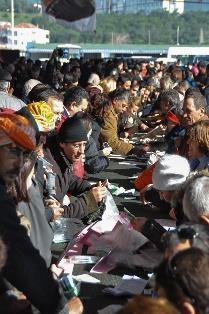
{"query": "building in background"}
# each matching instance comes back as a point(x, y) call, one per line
point(194, 5)
point(24, 34)
point(147, 6)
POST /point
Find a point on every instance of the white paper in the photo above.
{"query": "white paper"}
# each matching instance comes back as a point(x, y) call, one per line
point(168, 224)
point(132, 163)
point(116, 157)
point(129, 285)
point(148, 259)
point(66, 266)
point(86, 278)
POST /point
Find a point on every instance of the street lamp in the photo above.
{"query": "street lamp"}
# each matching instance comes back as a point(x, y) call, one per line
point(177, 36)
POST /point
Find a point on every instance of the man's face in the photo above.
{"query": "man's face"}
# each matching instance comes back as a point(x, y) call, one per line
point(73, 151)
point(127, 85)
point(56, 106)
point(120, 105)
point(11, 162)
point(191, 114)
point(165, 106)
point(74, 108)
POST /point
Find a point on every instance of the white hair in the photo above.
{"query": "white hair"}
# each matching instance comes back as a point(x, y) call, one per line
point(196, 199)
point(4, 85)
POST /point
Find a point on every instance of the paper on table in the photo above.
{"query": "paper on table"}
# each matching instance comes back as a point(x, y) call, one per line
point(168, 224)
point(116, 157)
point(148, 259)
point(86, 278)
point(132, 163)
point(110, 309)
point(66, 266)
point(129, 285)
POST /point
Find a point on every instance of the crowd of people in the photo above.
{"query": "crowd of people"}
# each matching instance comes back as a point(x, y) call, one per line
point(58, 124)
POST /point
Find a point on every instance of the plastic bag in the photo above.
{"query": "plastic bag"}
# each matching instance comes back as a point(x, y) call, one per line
point(66, 228)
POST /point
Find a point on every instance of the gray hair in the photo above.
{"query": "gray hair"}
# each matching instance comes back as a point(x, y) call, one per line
point(196, 199)
point(4, 85)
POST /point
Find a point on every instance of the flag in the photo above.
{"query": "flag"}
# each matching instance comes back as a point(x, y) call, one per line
point(69, 10)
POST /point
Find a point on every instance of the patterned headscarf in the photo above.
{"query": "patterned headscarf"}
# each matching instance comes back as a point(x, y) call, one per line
point(43, 114)
point(17, 129)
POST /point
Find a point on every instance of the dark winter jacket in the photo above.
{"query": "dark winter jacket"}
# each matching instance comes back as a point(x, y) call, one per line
point(93, 162)
point(66, 182)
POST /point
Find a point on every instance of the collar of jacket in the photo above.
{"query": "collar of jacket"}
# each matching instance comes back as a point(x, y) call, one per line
point(66, 160)
point(113, 111)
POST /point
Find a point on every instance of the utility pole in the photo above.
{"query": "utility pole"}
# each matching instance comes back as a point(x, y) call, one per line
point(177, 36)
point(109, 6)
point(12, 22)
point(149, 37)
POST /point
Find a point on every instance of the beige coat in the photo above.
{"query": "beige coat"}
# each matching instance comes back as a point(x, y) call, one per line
point(109, 133)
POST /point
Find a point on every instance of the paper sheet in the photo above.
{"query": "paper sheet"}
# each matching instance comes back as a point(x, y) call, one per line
point(129, 285)
point(132, 163)
point(168, 224)
point(86, 278)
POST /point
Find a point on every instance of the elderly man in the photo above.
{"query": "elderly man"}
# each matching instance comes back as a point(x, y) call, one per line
point(6, 100)
point(194, 107)
point(61, 152)
point(170, 172)
point(196, 199)
point(24, 269)
point(76, 99)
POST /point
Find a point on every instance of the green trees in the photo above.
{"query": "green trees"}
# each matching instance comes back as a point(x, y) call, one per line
point(159, 27)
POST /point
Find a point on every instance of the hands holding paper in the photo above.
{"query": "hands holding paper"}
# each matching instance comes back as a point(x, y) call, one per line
point(99, 192)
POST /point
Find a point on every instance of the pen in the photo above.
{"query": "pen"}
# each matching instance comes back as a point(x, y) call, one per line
point(128, 213)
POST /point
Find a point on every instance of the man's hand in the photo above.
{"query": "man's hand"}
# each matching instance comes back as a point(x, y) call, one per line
point(56, 207)
point(57, 212)
point(143, 126)
point(98, 192)
point(126, 140)
point(106, 151)
point(75, 306)
point(138, 223)
point(140, 150)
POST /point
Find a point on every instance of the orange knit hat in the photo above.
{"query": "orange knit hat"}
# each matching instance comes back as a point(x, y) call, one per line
point(17, 129)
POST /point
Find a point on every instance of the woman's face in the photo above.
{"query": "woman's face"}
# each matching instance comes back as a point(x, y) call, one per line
point(194, 151)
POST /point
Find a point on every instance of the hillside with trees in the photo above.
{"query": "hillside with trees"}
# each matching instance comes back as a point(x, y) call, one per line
point(159, 27)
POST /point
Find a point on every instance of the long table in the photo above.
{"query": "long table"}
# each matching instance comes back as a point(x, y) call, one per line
point(119, 173)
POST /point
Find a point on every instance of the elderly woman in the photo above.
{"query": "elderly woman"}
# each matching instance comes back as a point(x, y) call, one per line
point(199, 145)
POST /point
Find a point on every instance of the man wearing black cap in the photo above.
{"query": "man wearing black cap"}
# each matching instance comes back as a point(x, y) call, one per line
point(61, 152)
point(7, 101)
